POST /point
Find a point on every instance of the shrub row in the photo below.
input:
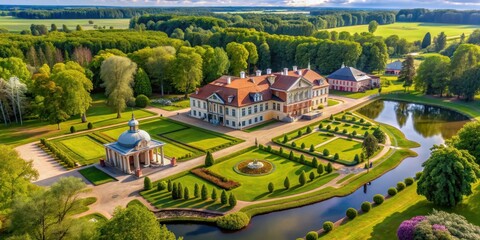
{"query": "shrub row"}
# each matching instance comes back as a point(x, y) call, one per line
point(215, 178)
point(59, 154)
point(354, 120)
point(233, 221)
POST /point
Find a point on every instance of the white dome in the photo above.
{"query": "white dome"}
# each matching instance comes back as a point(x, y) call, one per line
point(130, 139)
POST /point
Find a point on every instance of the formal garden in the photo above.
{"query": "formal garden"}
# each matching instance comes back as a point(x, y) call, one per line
point(338, 138)
point(251, 174)
point(184, 142)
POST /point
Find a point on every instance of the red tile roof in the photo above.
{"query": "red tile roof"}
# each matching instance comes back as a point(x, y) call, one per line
point(241, 88)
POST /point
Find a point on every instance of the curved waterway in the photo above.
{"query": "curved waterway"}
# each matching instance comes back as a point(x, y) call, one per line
point(427, 125)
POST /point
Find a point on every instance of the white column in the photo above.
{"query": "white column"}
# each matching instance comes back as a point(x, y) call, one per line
point(147, 157)
point(127, 159)
point(120, 162)
point(136, 162)
point(115, 159)
point(106, 154)
point(161, 155)
point(156, 154)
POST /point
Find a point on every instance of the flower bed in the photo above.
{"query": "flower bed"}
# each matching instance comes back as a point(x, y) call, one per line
point(242, 168)
point(215, 178)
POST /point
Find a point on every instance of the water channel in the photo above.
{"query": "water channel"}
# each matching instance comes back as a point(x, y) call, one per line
point(427, 125)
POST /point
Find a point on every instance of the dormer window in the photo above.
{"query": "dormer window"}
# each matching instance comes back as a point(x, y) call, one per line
point(257, 97)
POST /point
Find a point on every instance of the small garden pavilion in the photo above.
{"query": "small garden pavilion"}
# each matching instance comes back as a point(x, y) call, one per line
point(133, 150)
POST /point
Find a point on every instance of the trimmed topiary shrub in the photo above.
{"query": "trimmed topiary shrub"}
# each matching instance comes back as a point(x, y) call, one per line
point(161, 186)
point(320, 126)
point(302, 159)
point(418, 175)
point(232, 200)
point(180, 191)
point(311, 176)
point(209, 161)
point(286, 183)
point(329, 168)
point(312, 148)
point(269, 148)
point(285, 139)
point(89, 125)
point(291, 156)
point(186, 193)
point(309, 129)
point(409, 181)
point(378, 199)
point(147, 183)
point(326, 153)
point(169, 185)
point(196, 191)
point(356, 158)
point(314, 162)
point(354, 133)
point(345, 131)
point(271, 187)
point(214, 195)
point(400, 186)
point(336, 129)
point(320, 169)
point(312, 235)
point(366, 206)
point(328, 226)
point(224, 197)
point(392, 191)
point(351, 213)
point(204, 192)
point(336, 156)
point(72, 129)
point(233, 221)
point(302, 179)
point(302, 146)
point(294, 144)
point(299, 133)
point(329, 127)
point(141, 101)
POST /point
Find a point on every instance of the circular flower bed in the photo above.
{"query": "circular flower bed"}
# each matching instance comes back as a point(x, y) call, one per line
point(244, 169)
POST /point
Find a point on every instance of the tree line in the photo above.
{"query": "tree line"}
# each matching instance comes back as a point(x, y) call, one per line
point(439, 16)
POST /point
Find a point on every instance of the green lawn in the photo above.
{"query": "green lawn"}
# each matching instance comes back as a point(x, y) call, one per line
point(255, 188)
point(98, 218)
point(96, 176)
point(179, 105)
point(332, 102)
point(412, 31)
point(260, 126)
point(353, 127)
point(82, 148)
point(18, 24)
point(179, 151)
point(382, 221)
point(99, 115)
point(198, 138)
point(346, 148)
point(315, 138)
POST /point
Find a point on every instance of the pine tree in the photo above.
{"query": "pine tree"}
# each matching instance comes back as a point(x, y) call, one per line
point(204, 192)
point(209, 161)
point(290, 156)
point(142, 84)
point(440, 42)
point(214, 195)
point(302, 159)
point(223, 197)
point(232, 200)
point(174, 191)
point(186, 194)
point(408, 72)
point(427, 40)
point(302, 179)
point(286, 183)
point(271, 187)
point(320, 169)
point(285, 139)
point(312, 148)
point(196, 191)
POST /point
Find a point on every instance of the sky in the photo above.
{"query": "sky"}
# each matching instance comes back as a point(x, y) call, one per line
point(433, 4)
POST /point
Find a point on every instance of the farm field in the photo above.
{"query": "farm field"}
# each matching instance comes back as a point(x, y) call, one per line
point(18, 24)
point(413, 31)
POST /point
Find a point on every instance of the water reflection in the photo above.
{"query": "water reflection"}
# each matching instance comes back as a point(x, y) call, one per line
point(412, 119)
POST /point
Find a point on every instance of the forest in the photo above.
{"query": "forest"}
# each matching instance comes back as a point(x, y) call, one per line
point(439, 16)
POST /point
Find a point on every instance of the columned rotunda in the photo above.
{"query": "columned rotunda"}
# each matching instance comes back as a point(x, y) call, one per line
point(134, 150)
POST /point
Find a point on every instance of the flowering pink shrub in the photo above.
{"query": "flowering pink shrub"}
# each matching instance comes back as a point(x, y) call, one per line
point(406, 229)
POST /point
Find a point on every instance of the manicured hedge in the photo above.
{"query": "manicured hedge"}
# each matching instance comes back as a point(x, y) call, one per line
point(366, 206)
point(400, 186)
point(59, 154)
point(215, 178)
point(392, 191)
point(409, 181)
point(233, 221)
point(351, 213)
point(328, 226)
point(378, 199)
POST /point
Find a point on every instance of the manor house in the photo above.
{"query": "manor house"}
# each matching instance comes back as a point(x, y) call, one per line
point(239, 102)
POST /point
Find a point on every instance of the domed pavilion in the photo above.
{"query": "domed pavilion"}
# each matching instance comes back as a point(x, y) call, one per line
point(134, 150)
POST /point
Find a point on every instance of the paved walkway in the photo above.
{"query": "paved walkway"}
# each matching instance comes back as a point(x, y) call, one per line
point(119, 193)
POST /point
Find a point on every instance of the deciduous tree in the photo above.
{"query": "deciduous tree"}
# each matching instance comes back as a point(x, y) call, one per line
point(369, 145)
point(238, 55)
point(372, 26)
point(408, 72)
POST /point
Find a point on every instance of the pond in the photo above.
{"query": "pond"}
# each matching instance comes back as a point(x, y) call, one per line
point(427, 125)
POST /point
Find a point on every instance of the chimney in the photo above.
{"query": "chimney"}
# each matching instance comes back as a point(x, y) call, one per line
point(295, 68)
point(229, 80)
point(258, 73)
point(269, 71)
point(242, 74)
point(285, 71)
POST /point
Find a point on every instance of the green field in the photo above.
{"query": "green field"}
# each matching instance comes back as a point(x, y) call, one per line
point(96, 176)
point(413, 31)
point(332, 102)
point(82, 148)
point(346, 148)
point(18, 24)
point(198, 138)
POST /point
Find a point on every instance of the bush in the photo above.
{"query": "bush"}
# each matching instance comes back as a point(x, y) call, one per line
point(269, 148)
point(309, 129)
point(186, 193)
point(174, 191)
point(147, 183)
point(354, 133)
point(331, 116)
point(214, 195)
point(320, 169)
point(209, 161)
point(336, 156)
point(378, 199)
point(329, 168)
point(286, 183)
point(291, 156)
point(366, 206)
point(336, 129)
point(270, 187)
point(302, 146)
point(180, 191)
point(409, 181)
point(314, 162)
point(299, 133)
point(328, 226)
point(205, 192)
point(89, 125)
point(293, 144)
point(169, 185)
point(302, 159)
point(72, 129)
point(280, 151)
point(223, 197)
point(344, 131)
point(329, 127)
point(351, 213)
point(302, 179)
point(400, 186)
point(161, 186)
point(320, 126)
point(142, 101)
point(232, 200)
point(392, 191)
point(311, 236)
point(233, 221)
point(196, 191)
point(326, 153)
point(418, 175)
point(215, 178)
point(285, 139)
point(362, 120)
point(356, 158)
